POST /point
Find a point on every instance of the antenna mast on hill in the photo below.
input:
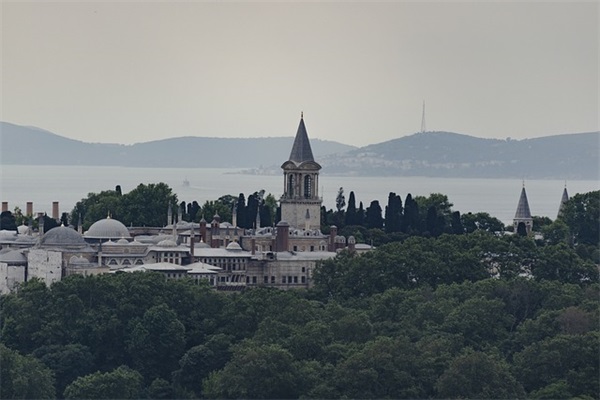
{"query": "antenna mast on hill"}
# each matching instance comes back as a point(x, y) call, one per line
point(423, 119)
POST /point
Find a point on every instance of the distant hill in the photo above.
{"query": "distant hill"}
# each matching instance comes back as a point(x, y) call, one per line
point(446, 154)
point(433, 154)
point(32, 146)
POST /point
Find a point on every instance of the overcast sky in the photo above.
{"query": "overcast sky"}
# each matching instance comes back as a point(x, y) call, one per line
point(127, 72)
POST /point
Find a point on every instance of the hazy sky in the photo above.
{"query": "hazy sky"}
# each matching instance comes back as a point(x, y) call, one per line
point(137, 71)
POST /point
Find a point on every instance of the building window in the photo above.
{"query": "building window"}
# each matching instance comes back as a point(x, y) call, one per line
point(253, 279)
point(283, 279)
point(307, 187)
point(291, 183)
point(312, 248)
point(295, 279)
point(303, 279)
point(303, 269)
point(295, 248)
point(272, 279)
point(266, 279)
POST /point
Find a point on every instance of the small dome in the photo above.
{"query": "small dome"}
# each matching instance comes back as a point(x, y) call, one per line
point(26, 239)
point(7, 235)
point(107, 228)
point(167, 243)
point(123, 241)
point(23, 229)
point(78, 260)
point(62, 236)
point(13, 257)
point(234, 246)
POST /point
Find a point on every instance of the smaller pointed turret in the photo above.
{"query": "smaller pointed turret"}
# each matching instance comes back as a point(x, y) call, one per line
point(523, 214)
point(563, 201)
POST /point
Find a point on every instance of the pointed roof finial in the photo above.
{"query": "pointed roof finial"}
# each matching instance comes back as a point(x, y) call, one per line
point(301, 150)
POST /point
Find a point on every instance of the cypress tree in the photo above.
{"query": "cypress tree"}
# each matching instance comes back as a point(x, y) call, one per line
point(373, 218)
point(351, 210)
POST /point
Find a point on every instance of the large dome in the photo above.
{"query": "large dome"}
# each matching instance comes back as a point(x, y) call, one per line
point(107, 229)
point(62, 236)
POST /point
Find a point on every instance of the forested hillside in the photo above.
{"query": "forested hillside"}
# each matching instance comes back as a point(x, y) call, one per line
point(447, 154)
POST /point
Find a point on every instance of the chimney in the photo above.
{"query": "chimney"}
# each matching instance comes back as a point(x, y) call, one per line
point(203, 230)
point(253, 244)
point(41, 225)
point(234, 216)
point(192, 240)
point(332, 235)
point(29, 208)
point(55, 215)
point(283, 236)
point(4, 206)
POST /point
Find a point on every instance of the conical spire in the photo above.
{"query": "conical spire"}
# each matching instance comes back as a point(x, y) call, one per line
point(301, 150)
point(523, 206)
point(563, 200)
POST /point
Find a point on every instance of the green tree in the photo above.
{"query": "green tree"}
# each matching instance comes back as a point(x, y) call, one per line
point(199, 361)
point(156, 342)
point(67, 362)
point(582, 215)
point(476, 375)
point(340, 200)
point(97, 206)
point(120, 383)
point(393, 213)
point(350, 218)
point(255, 372)
point(147, 205)
point(384, 368)
point(8, 221)
point(481, 221)
point(373, 218)
point(24, 377)
point(563, 358)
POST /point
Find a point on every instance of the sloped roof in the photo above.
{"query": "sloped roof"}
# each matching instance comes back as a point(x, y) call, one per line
point(523, 211)
point(563, 201)
point(301, 150)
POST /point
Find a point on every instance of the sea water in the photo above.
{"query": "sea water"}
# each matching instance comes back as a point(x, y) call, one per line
point(42, 185)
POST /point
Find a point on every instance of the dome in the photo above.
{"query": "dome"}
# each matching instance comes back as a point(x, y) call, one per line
point(78, 260)
point(7, 235)
point(13, 257)
point(62, 236)
point(23, 229)
point(123, 241)
point(107, 228)
point(234, 246)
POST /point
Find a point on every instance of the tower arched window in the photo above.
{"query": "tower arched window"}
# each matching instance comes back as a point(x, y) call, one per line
point(308, 186)
point(291, 183)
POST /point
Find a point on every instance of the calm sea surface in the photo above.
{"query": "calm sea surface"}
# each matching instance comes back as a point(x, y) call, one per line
point(44, 184)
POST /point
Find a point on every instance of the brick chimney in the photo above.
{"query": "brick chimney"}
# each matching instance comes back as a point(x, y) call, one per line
point(332, 234)
point(4, 206)
point(29, 208)
point(55, 210)
point(283, 236)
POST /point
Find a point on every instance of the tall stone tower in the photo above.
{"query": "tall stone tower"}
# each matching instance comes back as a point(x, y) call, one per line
point(300, 203)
